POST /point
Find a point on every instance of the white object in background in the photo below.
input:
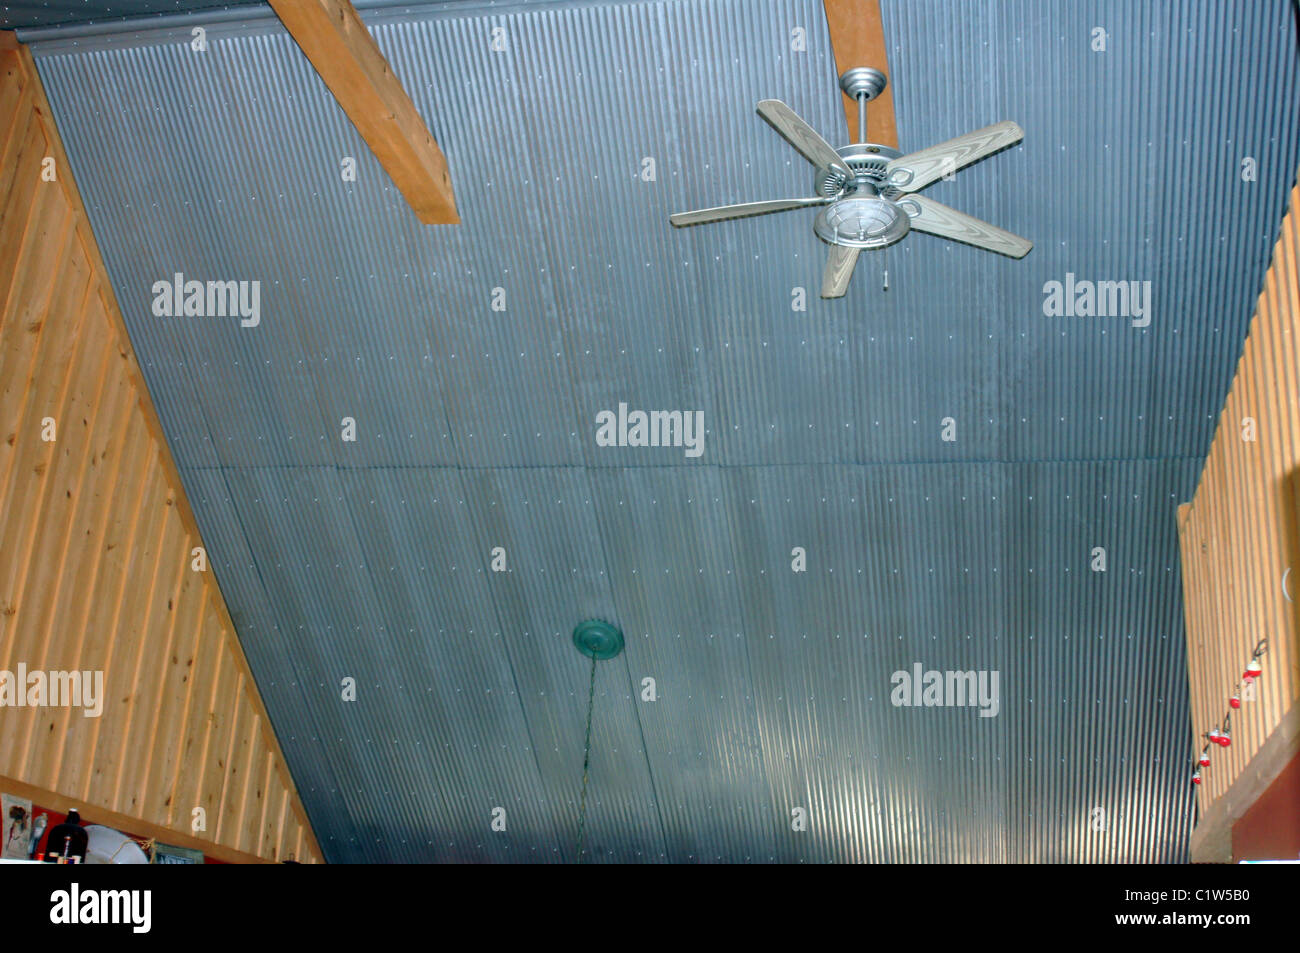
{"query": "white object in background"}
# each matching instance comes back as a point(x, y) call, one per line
point(107, 846)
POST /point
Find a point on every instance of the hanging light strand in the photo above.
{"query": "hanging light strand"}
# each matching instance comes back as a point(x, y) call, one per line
point(586, 759)
point(1223, 737)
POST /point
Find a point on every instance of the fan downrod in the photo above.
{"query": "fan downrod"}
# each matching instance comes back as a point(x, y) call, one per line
point(863, 84)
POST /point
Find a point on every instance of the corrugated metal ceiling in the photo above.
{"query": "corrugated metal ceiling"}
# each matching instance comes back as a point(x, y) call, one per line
point(476, 427)
point(26, 14)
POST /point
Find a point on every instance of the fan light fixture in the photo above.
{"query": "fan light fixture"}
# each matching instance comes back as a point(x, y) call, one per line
point(862, 221)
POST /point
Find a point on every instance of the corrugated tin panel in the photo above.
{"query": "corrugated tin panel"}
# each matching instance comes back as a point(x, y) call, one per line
point(773, 687)
point(19, 14)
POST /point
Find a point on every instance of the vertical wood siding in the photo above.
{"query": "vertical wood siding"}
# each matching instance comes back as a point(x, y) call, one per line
point(1239, 534)
point(95, 543)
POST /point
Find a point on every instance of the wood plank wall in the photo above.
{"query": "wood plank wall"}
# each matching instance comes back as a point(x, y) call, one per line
point(1239, 536)
point(95, 548)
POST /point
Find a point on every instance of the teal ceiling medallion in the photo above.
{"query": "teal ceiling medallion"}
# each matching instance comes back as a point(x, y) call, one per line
point(598, 640)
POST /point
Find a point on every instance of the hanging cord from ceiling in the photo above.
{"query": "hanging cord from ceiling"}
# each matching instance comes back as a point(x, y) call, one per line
point(586, 759)
point(598, 640)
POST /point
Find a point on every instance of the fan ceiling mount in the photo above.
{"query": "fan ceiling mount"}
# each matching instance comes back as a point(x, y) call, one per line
point(866, 189)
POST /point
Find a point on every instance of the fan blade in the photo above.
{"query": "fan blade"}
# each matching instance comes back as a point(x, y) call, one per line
point(802, 136)
point(723, 212)
point(947, 157)
point(839, 269)
point(939, 219)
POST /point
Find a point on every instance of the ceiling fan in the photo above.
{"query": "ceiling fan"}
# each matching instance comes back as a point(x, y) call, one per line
point(867, 189)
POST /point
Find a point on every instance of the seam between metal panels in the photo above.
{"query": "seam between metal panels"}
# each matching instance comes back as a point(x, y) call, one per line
point(645, 749)
point(543, 216)
point(514, 680)
point(257, 569)
point(227, 80)
point(753, 683)
point(873, 464)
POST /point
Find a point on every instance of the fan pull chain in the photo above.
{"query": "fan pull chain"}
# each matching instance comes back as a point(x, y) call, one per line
point(586, 759)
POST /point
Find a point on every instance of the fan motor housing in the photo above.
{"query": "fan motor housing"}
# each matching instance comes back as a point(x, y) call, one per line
point(867, 161)
point(863, 215)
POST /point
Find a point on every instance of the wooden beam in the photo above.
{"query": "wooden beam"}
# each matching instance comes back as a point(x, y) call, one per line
point(345, 55)
point(1211, 842)
point(90, 814)
point(858, 39)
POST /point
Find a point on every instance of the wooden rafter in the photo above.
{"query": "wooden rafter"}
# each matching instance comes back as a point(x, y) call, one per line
point(858, 38)
point(347, 58)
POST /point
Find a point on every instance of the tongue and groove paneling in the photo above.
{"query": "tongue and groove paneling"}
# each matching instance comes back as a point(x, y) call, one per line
point(95, 565)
